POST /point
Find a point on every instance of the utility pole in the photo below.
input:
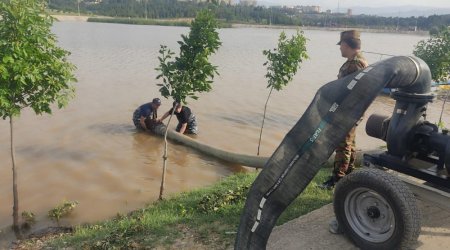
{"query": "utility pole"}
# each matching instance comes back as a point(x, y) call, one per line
point(270, 16)
point(145, 9)
point(78, 2)
point(398, 22)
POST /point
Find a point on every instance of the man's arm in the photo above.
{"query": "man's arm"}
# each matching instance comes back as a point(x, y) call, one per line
point(183, 128)
point(163, 117)
point(355, 66)
point(142, 122)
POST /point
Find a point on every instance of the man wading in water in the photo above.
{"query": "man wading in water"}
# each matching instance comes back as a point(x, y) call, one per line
point(187, 123)
point(145, 117)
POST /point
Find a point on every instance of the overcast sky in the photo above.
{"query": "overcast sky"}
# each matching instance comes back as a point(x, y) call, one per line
point(333, 4)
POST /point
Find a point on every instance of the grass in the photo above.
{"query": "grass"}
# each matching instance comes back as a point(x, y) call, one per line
point(210, 215)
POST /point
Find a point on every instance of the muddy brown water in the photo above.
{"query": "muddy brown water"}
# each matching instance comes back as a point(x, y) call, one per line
point(90, 151)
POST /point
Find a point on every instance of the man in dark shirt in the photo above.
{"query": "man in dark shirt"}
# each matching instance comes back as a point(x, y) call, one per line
point(146, 115)
point(187, 123)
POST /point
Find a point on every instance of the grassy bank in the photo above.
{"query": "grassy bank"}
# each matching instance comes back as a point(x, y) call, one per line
point(205, 218)
point(142, 21)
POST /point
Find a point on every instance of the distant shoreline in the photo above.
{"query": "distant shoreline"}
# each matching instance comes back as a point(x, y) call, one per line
point(76, 18)
point(70, 18)
point(368, 30)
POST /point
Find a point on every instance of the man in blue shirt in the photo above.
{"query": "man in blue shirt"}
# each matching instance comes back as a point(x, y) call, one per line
point(146, 115)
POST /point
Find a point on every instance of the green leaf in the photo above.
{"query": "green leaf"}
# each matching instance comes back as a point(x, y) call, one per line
point(283, 62)
point(436, 53)
point(8, 59)
point(41, 73)
point(190, 72)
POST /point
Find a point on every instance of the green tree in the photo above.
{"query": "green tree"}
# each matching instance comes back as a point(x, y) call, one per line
point(189, 73)
point(282, 64)
point(34, 71)
point(436, 53)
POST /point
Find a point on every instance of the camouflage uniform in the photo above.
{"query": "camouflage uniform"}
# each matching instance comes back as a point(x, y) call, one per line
point(345, 152)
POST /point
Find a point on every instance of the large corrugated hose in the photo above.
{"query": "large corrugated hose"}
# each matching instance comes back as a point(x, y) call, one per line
point(242, 159)
point(335, 109)
point(252, 161)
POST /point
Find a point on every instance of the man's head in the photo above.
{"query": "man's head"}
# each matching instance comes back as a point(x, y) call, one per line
point(156, 102)
point(350, 43)
point(177, 106)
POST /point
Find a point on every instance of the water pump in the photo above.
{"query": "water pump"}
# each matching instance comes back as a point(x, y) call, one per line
point(415, 146)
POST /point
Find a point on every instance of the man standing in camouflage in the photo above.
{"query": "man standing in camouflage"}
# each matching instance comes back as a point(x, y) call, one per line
point(350, 46)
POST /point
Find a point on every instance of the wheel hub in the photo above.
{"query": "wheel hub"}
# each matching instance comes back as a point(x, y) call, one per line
point(369, 215)
point(373, 212)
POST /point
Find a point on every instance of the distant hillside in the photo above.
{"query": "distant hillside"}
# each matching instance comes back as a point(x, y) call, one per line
point(401, 11)
point(397, 11)
point(170, 9)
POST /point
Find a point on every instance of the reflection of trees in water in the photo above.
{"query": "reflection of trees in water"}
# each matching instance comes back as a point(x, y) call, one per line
point(148, 147)
point(253, 119)
point(112, 128)
point(48, 152)
point(183, 163)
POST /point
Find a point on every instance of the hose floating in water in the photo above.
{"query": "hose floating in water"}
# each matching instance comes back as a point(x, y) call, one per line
point(244, 160)
point(252, 161)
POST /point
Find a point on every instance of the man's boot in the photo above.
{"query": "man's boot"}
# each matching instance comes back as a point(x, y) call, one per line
point(329, 184)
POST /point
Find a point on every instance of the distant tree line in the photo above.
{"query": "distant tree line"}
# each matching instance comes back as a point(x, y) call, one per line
point(432, 23)
point(156, 9)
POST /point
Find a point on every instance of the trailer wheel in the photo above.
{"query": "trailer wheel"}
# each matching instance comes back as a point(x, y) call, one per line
point(376, 210)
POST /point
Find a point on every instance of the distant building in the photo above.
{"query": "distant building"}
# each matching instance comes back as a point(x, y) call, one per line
point(230, 2)
point(277, 6)
point(90, 2)
point(308, 9)
point(248, 2)
point(349, 12)
point(195, 1)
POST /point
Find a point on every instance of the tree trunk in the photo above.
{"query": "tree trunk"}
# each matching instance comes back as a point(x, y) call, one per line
point(15, 195)
point(442, 110)
point(165, 156)
point(264, 118)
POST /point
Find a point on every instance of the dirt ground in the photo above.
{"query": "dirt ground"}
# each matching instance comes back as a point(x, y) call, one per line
point(311, 231)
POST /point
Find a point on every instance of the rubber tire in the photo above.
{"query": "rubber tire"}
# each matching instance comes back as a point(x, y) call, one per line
point(400, 199)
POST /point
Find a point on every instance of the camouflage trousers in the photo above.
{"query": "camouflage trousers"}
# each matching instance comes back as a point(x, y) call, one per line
point(191, 128)
point(149, 123)
point(136, 116)
point(344, 160)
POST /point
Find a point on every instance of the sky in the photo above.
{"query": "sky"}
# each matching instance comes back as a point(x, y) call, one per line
point(333, 4)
